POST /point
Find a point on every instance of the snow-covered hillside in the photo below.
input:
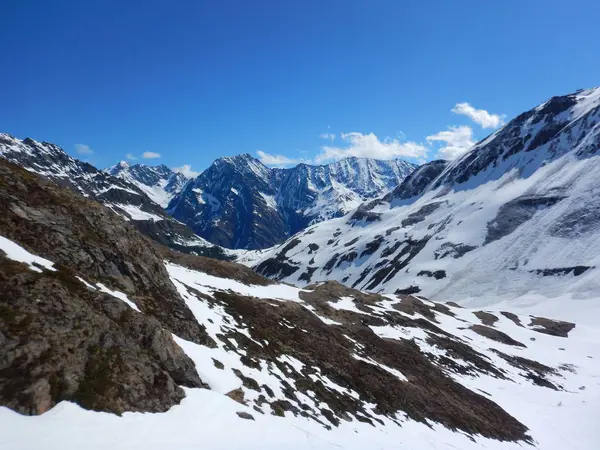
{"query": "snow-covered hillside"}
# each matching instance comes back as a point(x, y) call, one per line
point(159, 183)
point(516, 216)
point(285, 374)
point(240, 203)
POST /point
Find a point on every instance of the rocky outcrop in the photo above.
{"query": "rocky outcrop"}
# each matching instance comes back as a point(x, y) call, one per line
point(66, 339)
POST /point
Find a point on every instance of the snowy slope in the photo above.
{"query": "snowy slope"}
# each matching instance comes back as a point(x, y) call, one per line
point(240, 203)
point(547, 382)
point(516, 216)
point(159, 183)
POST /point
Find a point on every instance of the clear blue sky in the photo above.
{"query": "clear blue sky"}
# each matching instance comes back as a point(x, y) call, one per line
point(195, 80)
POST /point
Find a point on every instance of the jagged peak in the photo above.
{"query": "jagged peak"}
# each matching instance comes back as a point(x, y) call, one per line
point(236, 159)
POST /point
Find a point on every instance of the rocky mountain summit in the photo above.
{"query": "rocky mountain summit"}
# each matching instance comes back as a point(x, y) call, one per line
point(160, 183)
point(98, 319)
point(517, 215)
point(240, 203)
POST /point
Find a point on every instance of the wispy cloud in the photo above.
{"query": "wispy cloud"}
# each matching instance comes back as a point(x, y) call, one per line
point(83, 149)
point(327, 136)
point(131, 157)
point(457, 139)
point(186, 170)
point(150, 155)
point(370, 146)
point(479, 116)
point(277, 160)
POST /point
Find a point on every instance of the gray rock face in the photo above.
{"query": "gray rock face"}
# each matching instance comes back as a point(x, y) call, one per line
point(417, 182)
point(516, 212)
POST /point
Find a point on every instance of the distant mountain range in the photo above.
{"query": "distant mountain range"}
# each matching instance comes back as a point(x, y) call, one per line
point(518, 214)
point(240, 203)
point(237, 203)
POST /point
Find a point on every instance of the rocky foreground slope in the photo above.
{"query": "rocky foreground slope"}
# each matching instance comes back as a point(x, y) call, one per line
point(98, 319)
point(517, 215)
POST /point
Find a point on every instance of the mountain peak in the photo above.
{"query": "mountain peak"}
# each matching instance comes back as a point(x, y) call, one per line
point(238, 159)
point(269, 204)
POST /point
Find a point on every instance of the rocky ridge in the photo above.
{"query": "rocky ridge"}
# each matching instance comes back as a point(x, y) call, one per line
point(117, 193)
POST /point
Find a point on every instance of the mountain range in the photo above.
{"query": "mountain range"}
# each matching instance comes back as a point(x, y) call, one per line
point(240, 203)
point(517, 215)
point(236, 203)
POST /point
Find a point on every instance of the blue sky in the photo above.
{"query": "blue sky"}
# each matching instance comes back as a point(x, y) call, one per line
point(282, 80)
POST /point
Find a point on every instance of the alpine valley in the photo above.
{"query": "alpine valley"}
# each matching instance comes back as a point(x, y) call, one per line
point(373, 304)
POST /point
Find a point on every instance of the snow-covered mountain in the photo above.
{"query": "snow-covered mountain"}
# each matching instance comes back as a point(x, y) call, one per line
point(518, 215)
point(240, 203)
point(111, 342)
point(119, 194)
point(160, 183)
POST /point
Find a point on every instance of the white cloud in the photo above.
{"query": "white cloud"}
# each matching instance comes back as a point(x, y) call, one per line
point(131, 157)
point(458, 140)
point(277, 160)
point(329, 136)
point(186, 170)
point(370, 146)
point(150, 155)
point(83, 149)
point(480, 116)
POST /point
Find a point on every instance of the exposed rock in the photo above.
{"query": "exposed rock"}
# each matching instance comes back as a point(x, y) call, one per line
point(496, 335)
point(576, 271)
point(408, 291)
point(513, 214)
point(551, 327)
point(64, 341)
point(421, 214)
point(237, 395)
point(67, 341)
point(438, 274)
point(486, 318)
point(453, 250)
